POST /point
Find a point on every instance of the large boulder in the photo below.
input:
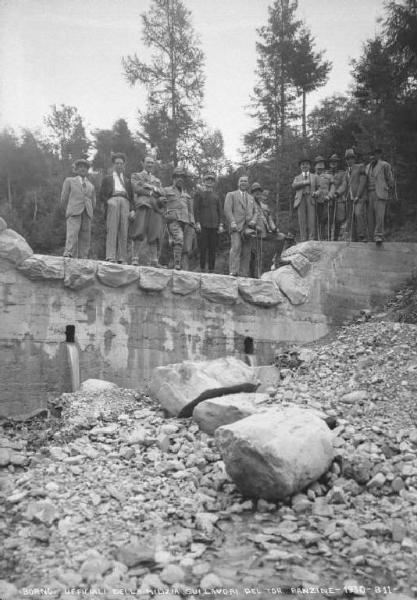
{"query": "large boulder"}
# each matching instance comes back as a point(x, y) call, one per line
point(214, 412)
point(311, 250)
point(219, 288)
point(298, 262)
point(276, 453)
point(97, 385)
point(115, 275)
point(14, 247)
point(79, 273)
point(260, 292)
point(39, 266)
point(268, 375)
point(154, 280)
point(290, 283)
point(180, 387)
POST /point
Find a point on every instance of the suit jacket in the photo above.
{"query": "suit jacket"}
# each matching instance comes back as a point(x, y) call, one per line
point(302, 190)
point(325, 186)
point(76, 198)
point(107, 189)
point(354, 183)
point(239, 212)
point(338, 186)
point(142, 185)
point(384, 180)
point(208, 210)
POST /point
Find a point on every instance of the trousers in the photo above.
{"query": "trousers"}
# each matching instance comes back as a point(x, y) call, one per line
point(359, 233)
point(117, 227)
point(146, 230)
point(78, 236)
point(306, 218)
point(376, 215)
point(240, 250)
point(208, 247)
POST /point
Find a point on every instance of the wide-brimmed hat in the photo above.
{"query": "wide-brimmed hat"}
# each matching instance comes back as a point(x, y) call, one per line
point(210, 175)
point(81, 162)
point(350, 153)
point(319, 159)
point(179, 172)
point(304, 159)
point(256, 186)
point(334, 158)
point(117, 155)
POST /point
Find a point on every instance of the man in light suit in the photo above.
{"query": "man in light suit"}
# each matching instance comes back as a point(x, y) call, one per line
point(240, 214)
point(79, 197)
point(306, 185)
point(116, 195)
point(380, 183)
point(354, 185)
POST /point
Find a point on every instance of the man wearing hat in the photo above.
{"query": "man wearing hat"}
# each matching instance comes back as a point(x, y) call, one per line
point(116, 195)
point(240, 214)
point(265, 230)
point(354, 186)
point(380, 182)
point(79, 197)
point(208, 214)
point(305, 185)
point(178, 216)
point(338, 210)
point(146, 226)
point(322, 196)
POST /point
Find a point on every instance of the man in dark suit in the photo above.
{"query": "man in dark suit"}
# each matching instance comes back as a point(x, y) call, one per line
point(240, 214)
point(208, 214)
point(380, 183)
point(116, 195)
point(79, 197)
point(354, 186)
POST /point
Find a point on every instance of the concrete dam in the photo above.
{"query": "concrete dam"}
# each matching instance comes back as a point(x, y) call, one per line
point(126, 320)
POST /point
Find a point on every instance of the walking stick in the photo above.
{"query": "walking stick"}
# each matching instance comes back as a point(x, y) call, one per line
point(333, 229)
point(328, 220)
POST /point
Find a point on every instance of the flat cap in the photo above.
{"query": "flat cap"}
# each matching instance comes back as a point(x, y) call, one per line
point(319, 159)
point(334, 158)
point(350, 153)
point(256, 186)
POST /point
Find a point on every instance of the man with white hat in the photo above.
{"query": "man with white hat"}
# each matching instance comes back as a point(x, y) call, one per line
point(79, 198)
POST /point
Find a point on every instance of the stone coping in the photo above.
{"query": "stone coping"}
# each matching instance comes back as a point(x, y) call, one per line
point(285, 286)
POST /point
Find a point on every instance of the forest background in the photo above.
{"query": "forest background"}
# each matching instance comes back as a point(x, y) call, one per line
point(380, 109)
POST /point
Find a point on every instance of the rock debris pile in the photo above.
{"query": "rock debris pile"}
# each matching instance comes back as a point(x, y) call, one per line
point(113, 495)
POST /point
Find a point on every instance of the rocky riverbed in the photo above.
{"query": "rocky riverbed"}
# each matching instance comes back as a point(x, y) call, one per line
point(111, 498)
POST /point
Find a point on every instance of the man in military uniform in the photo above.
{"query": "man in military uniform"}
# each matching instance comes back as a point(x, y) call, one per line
point(322, 196)
point(208, 213)
point(356, 197)
point(147, 221)
point(240, 214)
point(380, 183)
point(338, 209)
point(305, 185)
point(179, 217)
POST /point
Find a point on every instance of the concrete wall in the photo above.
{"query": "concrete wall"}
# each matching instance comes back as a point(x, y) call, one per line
point(129, 320)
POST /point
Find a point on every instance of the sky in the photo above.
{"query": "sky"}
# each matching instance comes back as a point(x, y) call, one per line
point(70, 51)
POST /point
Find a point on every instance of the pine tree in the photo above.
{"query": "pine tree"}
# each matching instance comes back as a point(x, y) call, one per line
point(173, 76)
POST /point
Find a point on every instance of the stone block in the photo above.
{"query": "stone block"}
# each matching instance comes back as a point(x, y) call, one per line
point(13, 247)
point(277, 453)
point(290, 283)
point(114, 275)
point(311, 250)
point(79, 273)
point(180, 387)
point(39, 266)
point(214, 412)
point(154, 280)
point(268, 375)
point(260, 292)
point(184, 282)
point(219, 288)
point(299, 262)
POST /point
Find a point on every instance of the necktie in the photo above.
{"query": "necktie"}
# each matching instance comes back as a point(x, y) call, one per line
point(84, 185)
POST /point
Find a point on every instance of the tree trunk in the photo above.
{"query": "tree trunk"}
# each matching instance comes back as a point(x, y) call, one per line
point(304, 117)
point(9, 192)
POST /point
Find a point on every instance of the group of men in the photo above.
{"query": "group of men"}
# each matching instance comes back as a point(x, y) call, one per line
point(347, 204)
point(163, 219)
point(331, 205)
